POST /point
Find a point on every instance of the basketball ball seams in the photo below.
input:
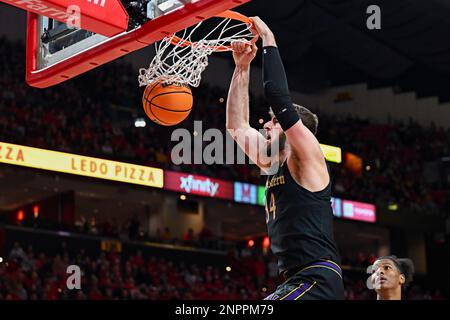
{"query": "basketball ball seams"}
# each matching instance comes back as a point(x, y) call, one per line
point(147, 111)
point(170, 92)
point(164, 113)
point(165, 93)
point(166, 109)
point(162, 122)
point(146, 94)
point(154, 86)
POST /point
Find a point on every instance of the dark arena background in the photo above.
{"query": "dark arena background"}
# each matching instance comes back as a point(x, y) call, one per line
point(160, 231)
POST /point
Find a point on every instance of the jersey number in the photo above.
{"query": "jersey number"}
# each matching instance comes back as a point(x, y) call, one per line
point(270, 208)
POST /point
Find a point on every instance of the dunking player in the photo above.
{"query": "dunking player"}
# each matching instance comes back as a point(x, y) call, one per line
point(298, 205)
point(391, 276)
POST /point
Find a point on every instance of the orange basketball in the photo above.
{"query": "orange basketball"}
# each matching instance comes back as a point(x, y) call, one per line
point(167, 104)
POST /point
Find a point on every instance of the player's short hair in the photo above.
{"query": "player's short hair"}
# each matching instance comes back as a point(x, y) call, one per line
point(405, 266)
point(309, 119)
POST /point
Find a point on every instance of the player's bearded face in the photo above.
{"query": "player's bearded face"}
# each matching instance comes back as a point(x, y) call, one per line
point(275, 135)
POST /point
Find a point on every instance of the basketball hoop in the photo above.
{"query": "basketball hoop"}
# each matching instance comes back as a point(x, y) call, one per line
point(182, 59)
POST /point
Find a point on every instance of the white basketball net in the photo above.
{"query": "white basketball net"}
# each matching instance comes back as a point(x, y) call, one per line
point(185, 63)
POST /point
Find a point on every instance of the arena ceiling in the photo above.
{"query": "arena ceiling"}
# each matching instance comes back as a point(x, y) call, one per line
point(327, 42)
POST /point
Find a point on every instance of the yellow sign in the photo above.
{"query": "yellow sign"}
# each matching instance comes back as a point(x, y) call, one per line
point(332, 154)
point(80, 165)
point(111, 246)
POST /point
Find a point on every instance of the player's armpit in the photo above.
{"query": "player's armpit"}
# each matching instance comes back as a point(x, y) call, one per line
point(254, 145)
point(307, 163)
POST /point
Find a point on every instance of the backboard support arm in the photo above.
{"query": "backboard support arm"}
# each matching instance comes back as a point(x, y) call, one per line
point(105, 17)
point(117, 46)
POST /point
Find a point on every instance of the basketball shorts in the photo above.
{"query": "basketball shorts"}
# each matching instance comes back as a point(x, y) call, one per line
point(320, 280)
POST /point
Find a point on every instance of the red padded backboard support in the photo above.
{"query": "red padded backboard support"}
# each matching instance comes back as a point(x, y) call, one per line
point(105, 17)
point(118, 45)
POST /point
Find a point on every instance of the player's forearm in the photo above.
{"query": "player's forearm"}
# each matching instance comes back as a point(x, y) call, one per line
point(276, 88)
point(238, 100)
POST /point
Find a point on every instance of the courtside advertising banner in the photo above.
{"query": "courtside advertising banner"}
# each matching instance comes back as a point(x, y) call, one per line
point(336, 205)
point(80, 165)
point(332, 153)
point(245, 193)
point(261, 195)
point(359, 211)
point(198, 185)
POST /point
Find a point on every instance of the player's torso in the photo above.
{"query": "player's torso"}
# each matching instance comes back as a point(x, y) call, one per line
point(299, 222)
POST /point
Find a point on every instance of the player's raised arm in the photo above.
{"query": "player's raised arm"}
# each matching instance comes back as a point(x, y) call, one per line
point(304, 145)
point(249, 139)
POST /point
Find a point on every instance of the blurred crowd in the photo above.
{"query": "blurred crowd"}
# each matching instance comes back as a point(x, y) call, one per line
point(94, 115)
point(131, 229)
point(400, 163)
point(27, 274)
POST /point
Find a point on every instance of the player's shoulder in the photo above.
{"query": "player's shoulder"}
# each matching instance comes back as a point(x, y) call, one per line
point(312, 175)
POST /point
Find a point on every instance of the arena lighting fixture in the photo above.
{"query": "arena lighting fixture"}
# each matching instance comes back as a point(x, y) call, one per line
point(140, 123)
point(250, 243)
point(228, 269)
point(20, 215)
point(266, 242)
point(36, 212)
point(183, 197)
point(393, 207)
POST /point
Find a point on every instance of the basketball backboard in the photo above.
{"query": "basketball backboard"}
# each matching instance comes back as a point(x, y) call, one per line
point(58, 51)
